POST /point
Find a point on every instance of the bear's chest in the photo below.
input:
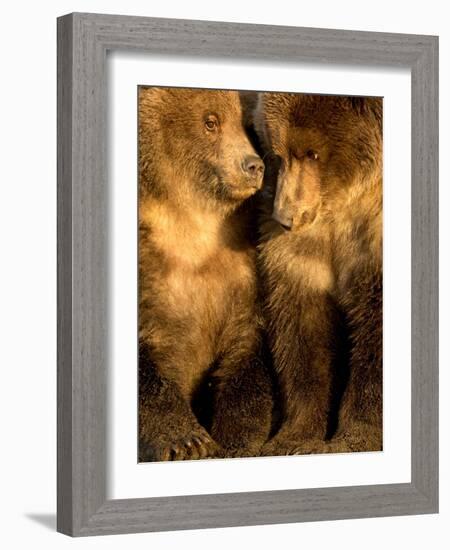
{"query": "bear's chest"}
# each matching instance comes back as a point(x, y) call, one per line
point(206, 293)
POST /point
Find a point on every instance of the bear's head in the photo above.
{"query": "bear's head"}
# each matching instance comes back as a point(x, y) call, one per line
point(193, 146)
point(318, 145)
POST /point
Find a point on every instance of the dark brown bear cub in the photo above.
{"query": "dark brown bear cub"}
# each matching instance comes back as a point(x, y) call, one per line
point(321, 268)
point(200, 328)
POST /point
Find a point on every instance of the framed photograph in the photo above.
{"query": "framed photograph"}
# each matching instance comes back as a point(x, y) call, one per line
point(247, 274)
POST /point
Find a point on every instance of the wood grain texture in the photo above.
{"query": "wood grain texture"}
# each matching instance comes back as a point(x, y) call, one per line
point(425, 275)
point(83, 199)
point(64, 231)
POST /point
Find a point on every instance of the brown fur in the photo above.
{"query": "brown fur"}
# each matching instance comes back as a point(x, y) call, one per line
point(204, 390)
point(321, 268)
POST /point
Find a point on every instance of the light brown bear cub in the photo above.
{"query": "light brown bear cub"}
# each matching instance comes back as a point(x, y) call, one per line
point(321, 268)
point(204, 390)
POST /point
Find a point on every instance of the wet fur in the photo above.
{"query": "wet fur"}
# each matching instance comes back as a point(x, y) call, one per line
point(204, 388)
point(322, 280)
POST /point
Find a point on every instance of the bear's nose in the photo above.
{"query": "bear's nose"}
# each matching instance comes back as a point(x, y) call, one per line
point(253, 166)
point(285, 223)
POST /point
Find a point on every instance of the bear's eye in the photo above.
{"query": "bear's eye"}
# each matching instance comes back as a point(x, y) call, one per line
point(312, 155)
point(211, 123)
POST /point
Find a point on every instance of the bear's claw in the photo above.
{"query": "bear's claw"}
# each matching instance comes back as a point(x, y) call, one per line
point(195, 446)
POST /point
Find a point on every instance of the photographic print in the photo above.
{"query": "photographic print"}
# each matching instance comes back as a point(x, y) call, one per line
point(260, 273)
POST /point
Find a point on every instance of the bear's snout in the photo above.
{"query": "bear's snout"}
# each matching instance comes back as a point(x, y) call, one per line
point(253, 167)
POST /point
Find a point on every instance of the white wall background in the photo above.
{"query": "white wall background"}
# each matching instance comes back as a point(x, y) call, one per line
point(28, 274)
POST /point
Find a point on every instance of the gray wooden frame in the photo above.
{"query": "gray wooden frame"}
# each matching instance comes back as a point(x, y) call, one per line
point(83, 40)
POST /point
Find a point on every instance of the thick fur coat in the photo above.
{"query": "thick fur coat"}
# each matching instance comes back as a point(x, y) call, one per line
point(320, 258)
point(204, 390)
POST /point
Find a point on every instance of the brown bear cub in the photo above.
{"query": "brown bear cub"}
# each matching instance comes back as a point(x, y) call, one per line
point(321, 268)
point(204, 390)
